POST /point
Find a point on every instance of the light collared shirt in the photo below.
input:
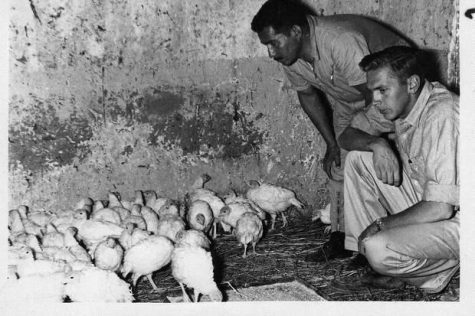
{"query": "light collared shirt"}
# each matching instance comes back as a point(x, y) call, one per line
point(428, 143)
point(338, 44)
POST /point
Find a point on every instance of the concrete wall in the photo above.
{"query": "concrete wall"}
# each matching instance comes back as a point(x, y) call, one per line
point(123, 95)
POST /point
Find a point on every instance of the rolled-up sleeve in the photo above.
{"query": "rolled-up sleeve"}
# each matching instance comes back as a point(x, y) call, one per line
point(372, 122)
point(441, 138)
point(348, 50)
point(294, 80)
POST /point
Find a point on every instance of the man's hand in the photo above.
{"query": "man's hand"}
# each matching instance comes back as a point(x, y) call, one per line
point(368, 232)
point(331, 155)
point(386, 163)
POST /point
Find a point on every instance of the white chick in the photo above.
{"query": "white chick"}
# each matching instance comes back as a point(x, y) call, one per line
point(107, 215)
point(58, 254)
point(15, 225)
point(233, 197)
point(168, 208)
point(34, 289)
point(69, 218)
point(170, 225)
point(19, 252)
point(151, 219)
point(30, 226)
point(32, 242)
point(192, 238)
point(230, 213)
point(97, 285)
point(92, 232)
point(193, 267)
point(139, 199)
point(273, 199)
point(41, 218)
point(71, 243)
point(150, 197)
point(135, 217)
point(198, 192)
point(249, 229)
point(324, 216)
point(200, 216)
point(108, 255)
point(146, 257)
point(123, 212)
point(132, 235)
point(52, 237)
point(99, 205)
point(40, 267)
point(87, 201)
point(114, 200)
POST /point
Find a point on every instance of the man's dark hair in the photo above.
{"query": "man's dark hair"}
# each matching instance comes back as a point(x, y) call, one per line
point(402, 60)
point(281, 15)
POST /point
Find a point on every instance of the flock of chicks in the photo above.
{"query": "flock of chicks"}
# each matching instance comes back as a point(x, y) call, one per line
point(79, 254)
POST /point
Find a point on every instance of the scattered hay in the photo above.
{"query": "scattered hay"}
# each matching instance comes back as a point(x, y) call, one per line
point(281, 258)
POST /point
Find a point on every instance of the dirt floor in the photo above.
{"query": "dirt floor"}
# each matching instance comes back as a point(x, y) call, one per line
point(281, 258)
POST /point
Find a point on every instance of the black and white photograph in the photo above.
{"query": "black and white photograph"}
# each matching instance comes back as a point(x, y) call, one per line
point(237, 157)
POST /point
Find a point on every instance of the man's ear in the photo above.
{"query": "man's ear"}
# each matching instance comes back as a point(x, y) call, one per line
point(413, 84)
point(296, 30)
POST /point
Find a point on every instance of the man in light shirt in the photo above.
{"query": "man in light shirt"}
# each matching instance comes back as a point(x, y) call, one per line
point(320, 56)
point(401, 205)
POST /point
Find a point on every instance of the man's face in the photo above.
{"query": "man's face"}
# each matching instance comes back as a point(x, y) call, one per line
point(282, 48)
point(390, 96)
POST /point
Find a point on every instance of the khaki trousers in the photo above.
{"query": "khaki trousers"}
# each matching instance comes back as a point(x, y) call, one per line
point(425, 255)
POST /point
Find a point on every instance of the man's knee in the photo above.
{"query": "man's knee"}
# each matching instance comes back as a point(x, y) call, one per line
point(355, 160)
point(376, 252)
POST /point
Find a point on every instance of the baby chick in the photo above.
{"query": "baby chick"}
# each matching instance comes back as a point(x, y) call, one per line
point(230, 213)
point(107, 215)
point(192, 238)
point(150, 218)
point(200, 216)
point(135, 217)
point(52, 238)
point(193, 267)
point(132, 235)
point(147, 256)
point(248, 230)
point(170, 225)
point(198, 192)
point(272, 199)
point(324, 216)
point(108, 255)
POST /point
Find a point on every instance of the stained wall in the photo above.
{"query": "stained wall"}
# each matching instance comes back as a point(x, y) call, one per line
point(119, 95)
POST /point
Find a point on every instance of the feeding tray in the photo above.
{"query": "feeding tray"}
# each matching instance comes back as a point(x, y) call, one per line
point(294, 290)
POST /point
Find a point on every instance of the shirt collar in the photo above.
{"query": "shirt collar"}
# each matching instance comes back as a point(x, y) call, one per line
point(312, 24)
point(414, 115)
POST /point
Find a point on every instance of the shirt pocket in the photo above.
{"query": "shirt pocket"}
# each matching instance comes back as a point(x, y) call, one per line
point(417, 169)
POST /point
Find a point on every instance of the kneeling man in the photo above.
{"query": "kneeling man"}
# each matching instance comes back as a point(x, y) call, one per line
point(402, 202)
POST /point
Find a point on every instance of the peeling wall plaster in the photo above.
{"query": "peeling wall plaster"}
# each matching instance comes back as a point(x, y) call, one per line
point(123, 95)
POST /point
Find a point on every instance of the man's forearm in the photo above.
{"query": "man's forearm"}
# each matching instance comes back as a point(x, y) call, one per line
point(313, 106)
point(422, 212)
point(355, 139)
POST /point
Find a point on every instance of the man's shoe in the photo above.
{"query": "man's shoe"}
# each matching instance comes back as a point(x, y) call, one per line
point(332, 249)
point(380, 281)
point(359, 261)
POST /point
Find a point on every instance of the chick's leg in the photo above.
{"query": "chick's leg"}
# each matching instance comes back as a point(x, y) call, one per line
point(196, 294)
point(154, 286)
point(186, 298)
point(254, 247)
point(245, 250)
point(214, 229)
point(284, 220)
point(273, 217)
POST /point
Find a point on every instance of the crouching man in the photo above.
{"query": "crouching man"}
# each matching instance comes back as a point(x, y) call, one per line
point(401, 205)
